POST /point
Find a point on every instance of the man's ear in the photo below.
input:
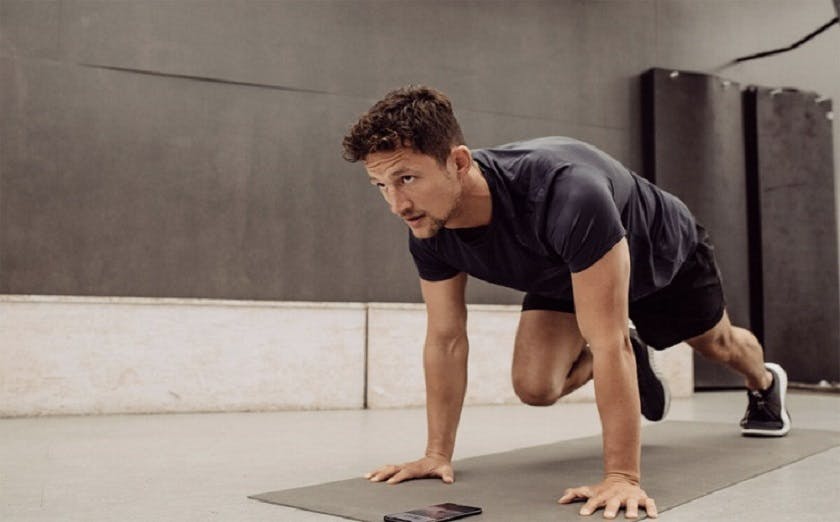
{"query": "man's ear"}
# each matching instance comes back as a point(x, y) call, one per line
point(463, 159)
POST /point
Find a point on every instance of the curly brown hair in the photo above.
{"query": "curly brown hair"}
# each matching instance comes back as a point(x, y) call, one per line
point(415, 116)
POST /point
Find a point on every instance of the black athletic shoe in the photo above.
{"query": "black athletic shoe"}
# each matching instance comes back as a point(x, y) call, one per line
point(653, 390)
point(766, 414)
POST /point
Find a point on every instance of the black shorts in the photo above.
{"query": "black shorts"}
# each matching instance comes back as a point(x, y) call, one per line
point(690, 305)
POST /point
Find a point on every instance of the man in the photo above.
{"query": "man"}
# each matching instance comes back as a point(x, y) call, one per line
point(592, 244)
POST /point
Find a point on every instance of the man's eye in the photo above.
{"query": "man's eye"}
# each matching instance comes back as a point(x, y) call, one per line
point(407, 179)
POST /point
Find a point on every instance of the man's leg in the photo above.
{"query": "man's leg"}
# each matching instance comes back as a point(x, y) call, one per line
point(738, 349)
point(692, 308)
point(550, 358)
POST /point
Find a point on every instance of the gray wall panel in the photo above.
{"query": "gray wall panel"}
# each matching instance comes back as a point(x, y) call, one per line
point(127, 184)
point(696, 152)
point(354, 48)
point(799, 255)
point(615, 41)
point(183, 189)
point(167, 186)
point(31, 28)
point(468, 48)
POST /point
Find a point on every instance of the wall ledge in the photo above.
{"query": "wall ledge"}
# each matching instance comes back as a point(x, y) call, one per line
point(82, 355)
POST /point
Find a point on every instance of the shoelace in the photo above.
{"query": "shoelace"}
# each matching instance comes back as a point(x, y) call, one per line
point(757, 398)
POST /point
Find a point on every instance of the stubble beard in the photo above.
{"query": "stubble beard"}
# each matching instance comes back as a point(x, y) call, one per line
point(438, 223)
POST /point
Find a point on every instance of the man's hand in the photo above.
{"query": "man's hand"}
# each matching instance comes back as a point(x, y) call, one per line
point(612, 494)
point(427, 467)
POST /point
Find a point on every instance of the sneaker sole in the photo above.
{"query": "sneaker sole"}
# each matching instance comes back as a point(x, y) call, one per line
point(661, 378)
point(653, 375)
point(783, 384)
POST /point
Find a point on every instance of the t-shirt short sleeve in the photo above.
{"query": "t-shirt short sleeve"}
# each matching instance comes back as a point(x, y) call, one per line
point(582, 222)
point(429, 266)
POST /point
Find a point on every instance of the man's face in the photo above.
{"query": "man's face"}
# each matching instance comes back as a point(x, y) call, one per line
point(418, 190)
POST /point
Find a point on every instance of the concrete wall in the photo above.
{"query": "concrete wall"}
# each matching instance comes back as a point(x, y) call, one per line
point(92, 355)
point(88, 355)
point(191, 149)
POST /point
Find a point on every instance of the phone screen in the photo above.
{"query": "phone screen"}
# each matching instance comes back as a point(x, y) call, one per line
point(436, 513)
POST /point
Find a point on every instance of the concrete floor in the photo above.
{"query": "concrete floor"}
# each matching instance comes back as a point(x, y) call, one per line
point(203, 466)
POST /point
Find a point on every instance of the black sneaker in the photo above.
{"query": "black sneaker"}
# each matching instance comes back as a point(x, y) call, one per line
point(766, 414)
point(653, 390)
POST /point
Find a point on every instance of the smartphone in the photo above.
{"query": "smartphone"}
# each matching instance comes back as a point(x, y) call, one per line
point(436, 513)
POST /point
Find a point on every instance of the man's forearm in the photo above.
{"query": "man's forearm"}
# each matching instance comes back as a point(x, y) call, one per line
point(617, 396)
point(445, 365)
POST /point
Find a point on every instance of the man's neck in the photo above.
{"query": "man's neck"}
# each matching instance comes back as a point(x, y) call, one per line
point(476, 202)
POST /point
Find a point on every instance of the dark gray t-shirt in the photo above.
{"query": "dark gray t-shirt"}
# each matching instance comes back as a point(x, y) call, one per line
point(559, 205)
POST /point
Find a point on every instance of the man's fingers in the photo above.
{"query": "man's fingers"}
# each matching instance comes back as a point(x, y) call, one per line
point(373, 473)
point(612, 498)
point(650, 508)
point(403, 474)
point(632, 509)
point(591, 506)
point(447, 475)
point(426, 467)
point(573, 494)
point(383, 473)
point(612, 507)
point(412, 471)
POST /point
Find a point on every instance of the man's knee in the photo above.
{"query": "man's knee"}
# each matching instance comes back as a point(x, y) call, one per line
point(535, 393)
point(717, 345)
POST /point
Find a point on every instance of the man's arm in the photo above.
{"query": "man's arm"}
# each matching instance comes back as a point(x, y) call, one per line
point(600, 294)
point(445, 365)
point(445, 361)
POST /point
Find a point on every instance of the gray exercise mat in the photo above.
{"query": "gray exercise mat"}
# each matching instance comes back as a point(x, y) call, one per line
point(681, 461)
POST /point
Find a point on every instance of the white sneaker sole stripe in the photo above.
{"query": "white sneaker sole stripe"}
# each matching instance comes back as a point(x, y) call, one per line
point(663, 380)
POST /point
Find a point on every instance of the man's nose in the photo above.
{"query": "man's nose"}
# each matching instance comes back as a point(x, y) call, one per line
point(398, 202)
